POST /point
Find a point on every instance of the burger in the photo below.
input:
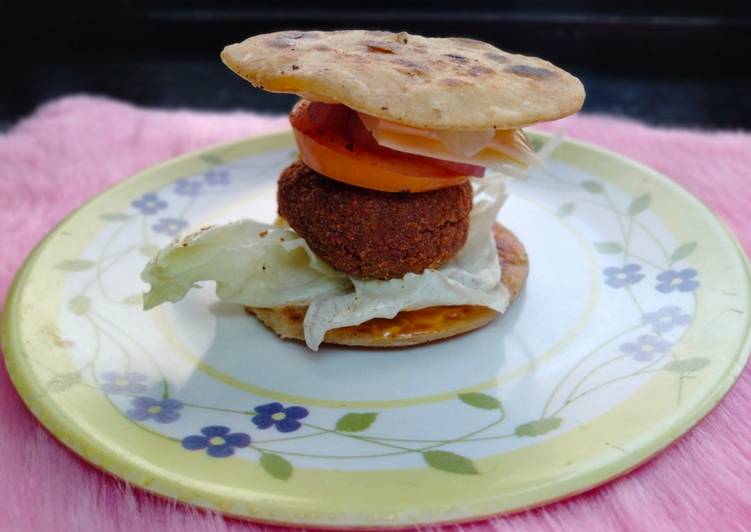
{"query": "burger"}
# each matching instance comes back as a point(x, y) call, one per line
point(387, 232)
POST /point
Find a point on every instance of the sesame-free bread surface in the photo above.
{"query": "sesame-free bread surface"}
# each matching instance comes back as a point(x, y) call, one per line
point(436, 83)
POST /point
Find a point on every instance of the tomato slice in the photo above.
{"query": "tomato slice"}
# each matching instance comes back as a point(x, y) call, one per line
point(334, 142)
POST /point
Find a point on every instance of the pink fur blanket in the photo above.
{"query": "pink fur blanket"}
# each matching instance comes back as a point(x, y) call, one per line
point(71, 149)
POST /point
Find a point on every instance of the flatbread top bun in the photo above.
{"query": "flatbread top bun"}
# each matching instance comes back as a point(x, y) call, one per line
point(433, 83)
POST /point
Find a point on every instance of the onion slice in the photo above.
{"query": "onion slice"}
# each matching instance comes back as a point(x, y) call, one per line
point(495, 149)
point(465, 143)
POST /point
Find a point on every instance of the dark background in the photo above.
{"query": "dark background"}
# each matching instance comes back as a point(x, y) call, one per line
point(680, 63)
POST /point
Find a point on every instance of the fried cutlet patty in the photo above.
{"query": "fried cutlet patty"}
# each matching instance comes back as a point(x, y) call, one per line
point(370, 234)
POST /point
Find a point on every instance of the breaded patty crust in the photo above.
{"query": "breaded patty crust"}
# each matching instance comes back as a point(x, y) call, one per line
point(370, 234)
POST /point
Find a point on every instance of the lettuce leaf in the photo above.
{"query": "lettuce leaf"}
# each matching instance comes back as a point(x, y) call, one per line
point(252, 263)
point(260, 265)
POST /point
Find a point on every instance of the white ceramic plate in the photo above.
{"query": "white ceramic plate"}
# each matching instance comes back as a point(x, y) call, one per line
point(632, 326)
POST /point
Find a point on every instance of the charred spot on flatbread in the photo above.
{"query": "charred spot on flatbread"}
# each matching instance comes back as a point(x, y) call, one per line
point(528, 71)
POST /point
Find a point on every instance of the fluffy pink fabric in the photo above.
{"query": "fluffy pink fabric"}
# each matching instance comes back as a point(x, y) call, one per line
point(73, 148)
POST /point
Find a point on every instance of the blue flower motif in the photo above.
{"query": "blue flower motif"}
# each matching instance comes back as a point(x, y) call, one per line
point(161, 411)
point(149, 204)
point(217, 441)
point(666, 319)
point(184, 187)
point(216, 178)
point(646, 347)
point(285, 419)
point(682, 280)
point(170, 226)
point(626, 275)
point(130, 382)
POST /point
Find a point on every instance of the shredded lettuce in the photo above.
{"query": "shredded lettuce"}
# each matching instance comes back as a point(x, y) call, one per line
point(252, 263)
point(260, 265)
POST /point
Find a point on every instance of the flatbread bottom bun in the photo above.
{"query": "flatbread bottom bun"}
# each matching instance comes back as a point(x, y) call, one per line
point(415, 326)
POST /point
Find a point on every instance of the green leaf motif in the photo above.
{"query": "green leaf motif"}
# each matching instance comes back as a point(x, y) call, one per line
point(148, 250)
point(114, 217)
point(687, 365)
point(212, 159)
point(355, 422)
point(450, 462)
point(75, 265)
point(60, 383)
point(480, 400)
point(609, 247)
point(565, 210)
point(134, 299)
point(639, 204)
point(593, 187)
point(79, 305)
point(683, 251)
point(276, 466)
point(538, 427)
